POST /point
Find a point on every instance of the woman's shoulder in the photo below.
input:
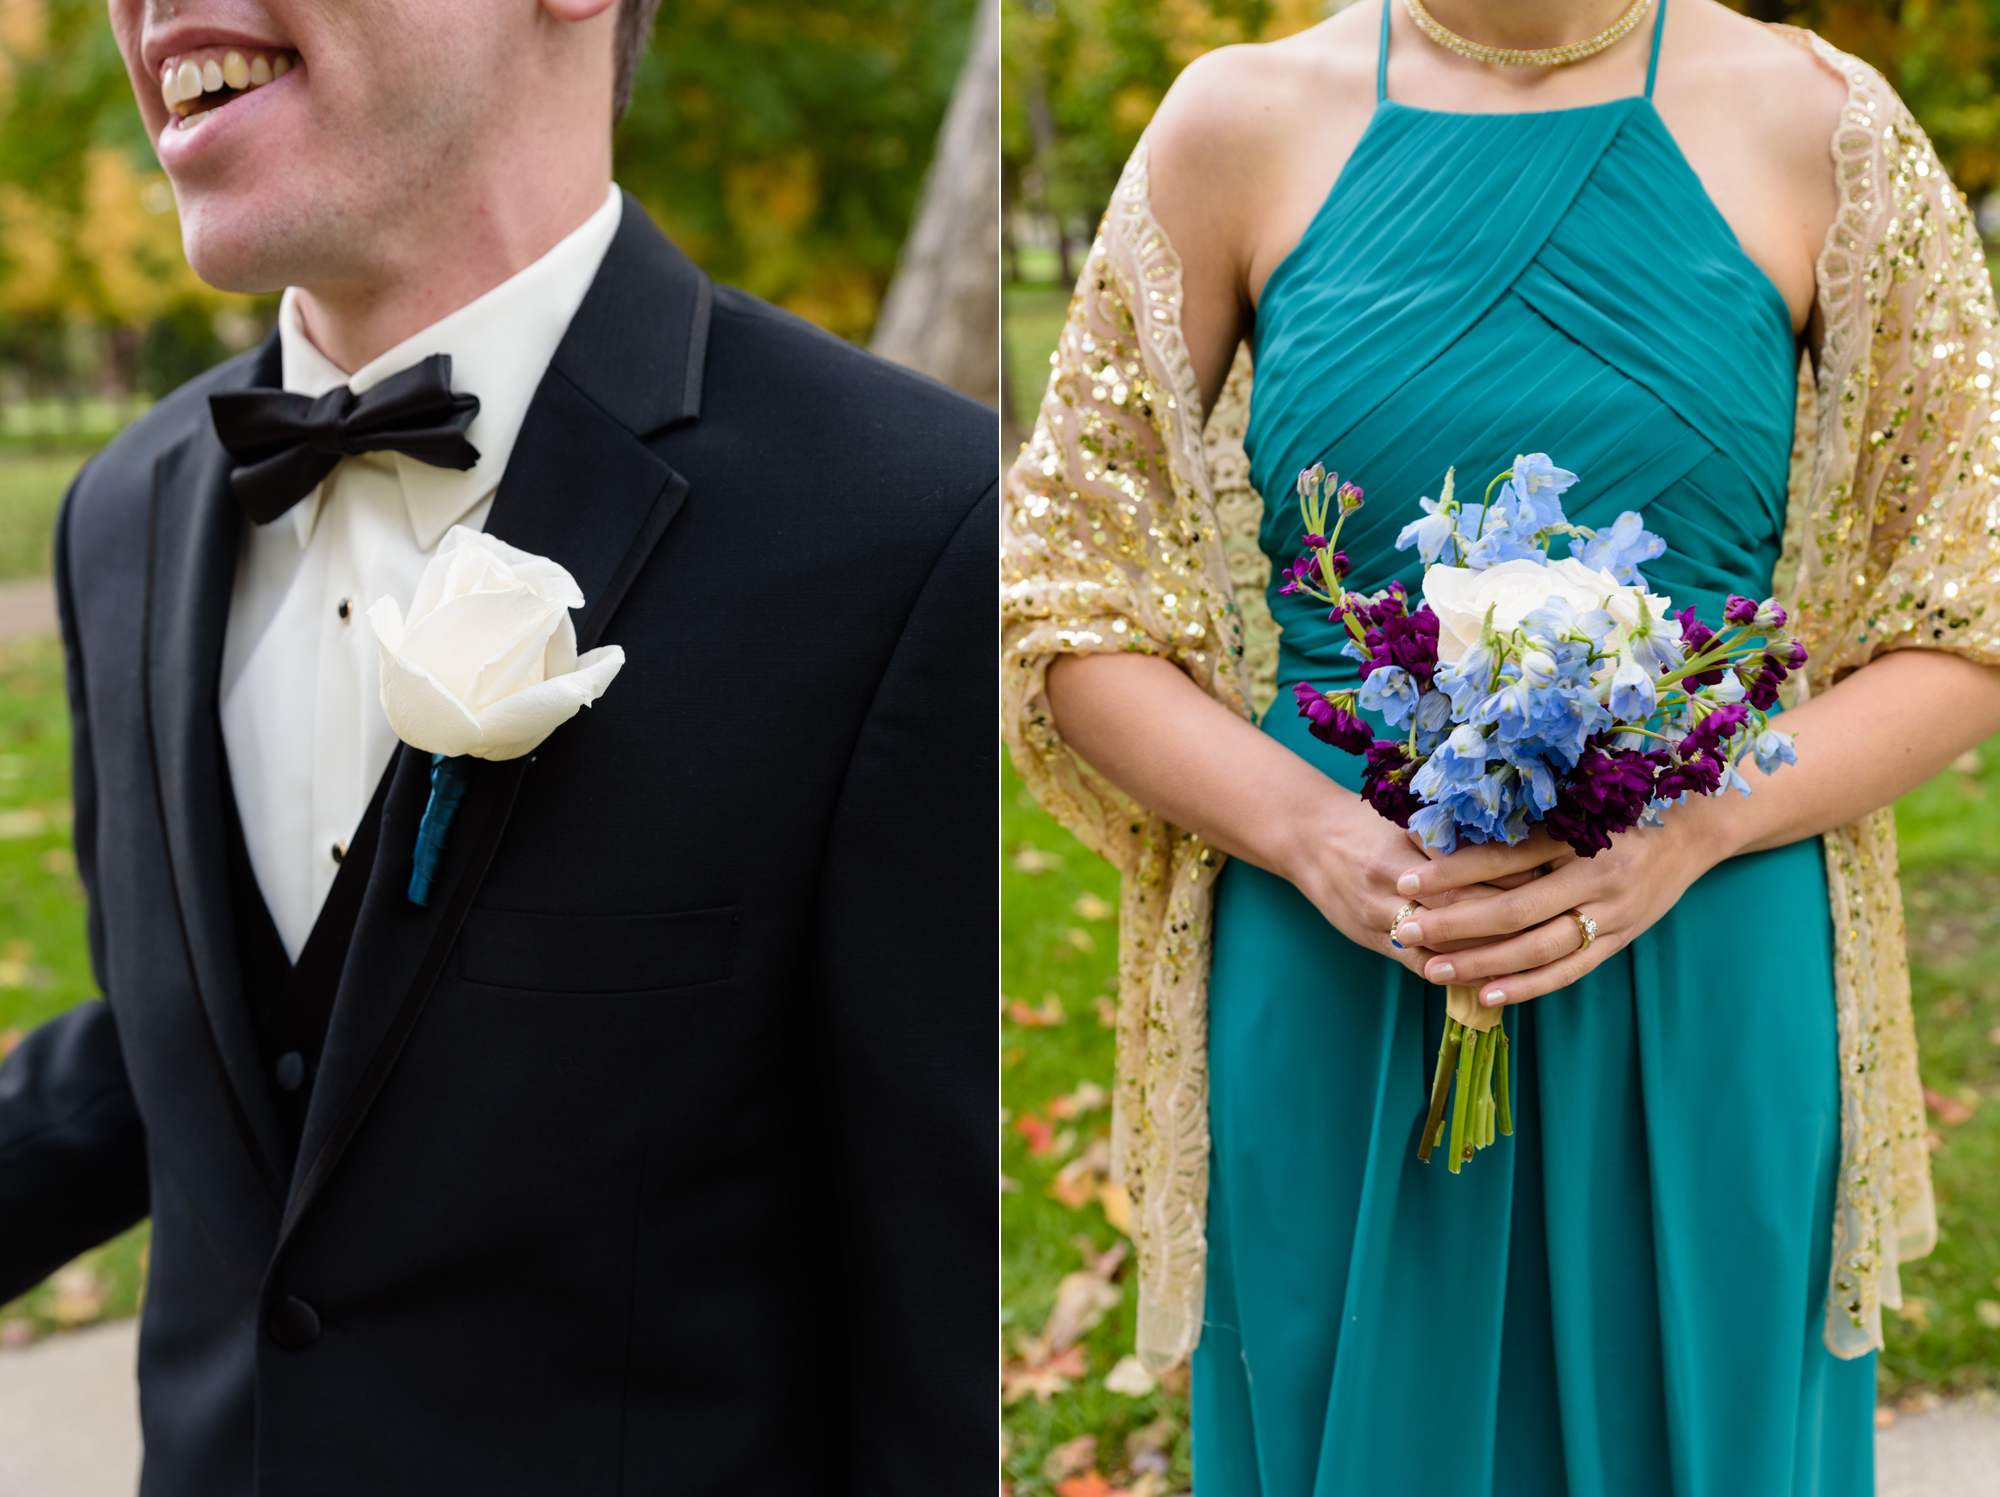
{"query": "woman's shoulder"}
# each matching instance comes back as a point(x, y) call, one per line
point(1233, 114)
point(1774, 80)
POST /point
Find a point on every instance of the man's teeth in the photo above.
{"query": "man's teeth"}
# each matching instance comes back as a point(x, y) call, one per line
point(181, 83)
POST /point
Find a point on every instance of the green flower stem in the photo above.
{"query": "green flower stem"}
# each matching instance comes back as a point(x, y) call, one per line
point(1503, 1091)
point(1461, 1107)
point(1447, 1066)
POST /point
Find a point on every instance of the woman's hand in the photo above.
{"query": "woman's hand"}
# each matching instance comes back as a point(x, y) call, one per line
point(1525, 942)
point(1352, 864)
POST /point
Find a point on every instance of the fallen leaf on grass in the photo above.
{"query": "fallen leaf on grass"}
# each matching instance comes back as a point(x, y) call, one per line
point(79, 1296)
point(1988, 1313)
point(1117, 1206)
point(1077, 1183)
point(1090, 1484)
point(1043, 1376)
point(1081, 939)
point(1090, 907)
point(1032, 860)
point(1934, 1141)
point(30, 821)
point(1071, 1457)
point(1950, 1111)
point(1130, 1378)
point(1082, 1301)
point(1884, 1416)
point(1047, 1016)
point(1039, 1133)
point(1088, 1097)
point(9, 1039)
point(1107, 1013)
point(1968, 762)
point(1146, 1447)
point(1916, 1310)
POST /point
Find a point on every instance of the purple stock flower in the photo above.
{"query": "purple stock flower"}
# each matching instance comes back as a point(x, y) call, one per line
point(1406, 640)
point(1739, 611)
point(1696, 637)
point(1707, 735)
point(1605, 794)
point(1385, 782)
point(1333, 721)
point(1348, 498)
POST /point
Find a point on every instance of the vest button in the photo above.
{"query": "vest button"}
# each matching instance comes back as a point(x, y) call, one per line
point(293, 1324)
point(291, 1070)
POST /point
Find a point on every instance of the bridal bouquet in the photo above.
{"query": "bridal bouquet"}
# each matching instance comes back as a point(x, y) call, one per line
point(1531, 691)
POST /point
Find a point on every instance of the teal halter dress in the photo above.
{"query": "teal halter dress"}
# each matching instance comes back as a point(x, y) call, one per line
point(1626, 1297)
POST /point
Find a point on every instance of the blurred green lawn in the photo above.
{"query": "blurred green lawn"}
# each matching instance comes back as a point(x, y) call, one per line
point(1059, 955)
point(31, 487)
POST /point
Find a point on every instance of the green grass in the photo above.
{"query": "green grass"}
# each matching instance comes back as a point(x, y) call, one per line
point(1033, 318)
point(1059, 942)
point(32, 485)
point(44, 957)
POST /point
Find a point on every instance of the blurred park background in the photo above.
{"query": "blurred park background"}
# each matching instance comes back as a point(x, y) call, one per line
point(1079, 81)
point(834, 158)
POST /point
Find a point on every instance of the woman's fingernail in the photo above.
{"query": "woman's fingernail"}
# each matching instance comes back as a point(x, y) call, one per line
point(1494, 995)
point(1443, 972)
point(1408, 884)
point(1410, 933)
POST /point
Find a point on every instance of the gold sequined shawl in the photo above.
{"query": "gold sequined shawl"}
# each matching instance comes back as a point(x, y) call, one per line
point(1128, 526)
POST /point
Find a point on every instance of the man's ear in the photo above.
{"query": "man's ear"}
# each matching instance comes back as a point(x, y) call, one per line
point(577, 10)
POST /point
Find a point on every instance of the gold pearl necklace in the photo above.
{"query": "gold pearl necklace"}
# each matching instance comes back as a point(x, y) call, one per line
point(1538, 57)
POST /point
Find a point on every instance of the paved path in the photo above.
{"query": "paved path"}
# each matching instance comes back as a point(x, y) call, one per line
point(69, 1417)
point(69, 1428)
point(27, 607)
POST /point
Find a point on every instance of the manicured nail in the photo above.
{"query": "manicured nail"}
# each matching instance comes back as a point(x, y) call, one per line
point(1443, 972)
point(1408, 883)
point(1493, 995)
point(1410, 933)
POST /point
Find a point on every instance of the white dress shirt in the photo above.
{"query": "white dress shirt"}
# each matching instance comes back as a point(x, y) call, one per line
point(301, 675)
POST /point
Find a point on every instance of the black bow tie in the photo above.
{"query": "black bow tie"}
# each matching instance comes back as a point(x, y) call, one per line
point(285, 443)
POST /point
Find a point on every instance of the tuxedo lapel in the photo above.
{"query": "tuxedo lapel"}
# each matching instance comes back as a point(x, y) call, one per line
point(583, 489)
point(195, 528)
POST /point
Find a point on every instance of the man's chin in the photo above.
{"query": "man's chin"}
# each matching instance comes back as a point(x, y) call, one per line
point(241, 248)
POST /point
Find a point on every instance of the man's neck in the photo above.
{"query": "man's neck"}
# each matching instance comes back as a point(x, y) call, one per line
point(466, 257)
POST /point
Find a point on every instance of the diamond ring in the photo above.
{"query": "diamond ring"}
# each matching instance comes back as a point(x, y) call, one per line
point(1401, 915)
point(1586, 927)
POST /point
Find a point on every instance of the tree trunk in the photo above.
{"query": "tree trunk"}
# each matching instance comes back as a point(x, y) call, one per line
point(942, 313)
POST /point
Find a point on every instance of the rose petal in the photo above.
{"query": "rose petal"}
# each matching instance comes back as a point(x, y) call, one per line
point(548, 579)
point(560, 658)
point(423, 713)
point(464, 634)
point(518, 725)
point(386, 619)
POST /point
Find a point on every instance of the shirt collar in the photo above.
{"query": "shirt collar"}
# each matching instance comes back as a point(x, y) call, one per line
point(500, 347)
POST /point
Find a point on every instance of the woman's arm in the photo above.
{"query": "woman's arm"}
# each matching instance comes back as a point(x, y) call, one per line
point(1158, 737)
point(1878, 734)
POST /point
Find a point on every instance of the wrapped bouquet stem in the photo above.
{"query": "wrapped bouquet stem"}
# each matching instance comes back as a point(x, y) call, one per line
point(1529, 691)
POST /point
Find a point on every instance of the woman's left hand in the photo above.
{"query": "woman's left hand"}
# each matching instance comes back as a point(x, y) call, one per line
point(1526, 942)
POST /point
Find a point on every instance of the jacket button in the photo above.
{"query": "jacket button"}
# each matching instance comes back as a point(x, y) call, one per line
point(291, 1070)
point(293, 1324)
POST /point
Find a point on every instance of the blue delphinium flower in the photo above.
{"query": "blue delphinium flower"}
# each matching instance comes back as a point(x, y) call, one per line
point(1654, 643)
point(1390, 691)
point(1620, 549)
point(1632, 690)
point(1431, 535)
point(1537, 485)
point(1772, 749)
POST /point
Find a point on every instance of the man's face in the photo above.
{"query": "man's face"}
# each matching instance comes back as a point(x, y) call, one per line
point(311, 142)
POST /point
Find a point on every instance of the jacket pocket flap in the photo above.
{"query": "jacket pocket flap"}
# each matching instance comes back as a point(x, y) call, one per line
point(598, 953)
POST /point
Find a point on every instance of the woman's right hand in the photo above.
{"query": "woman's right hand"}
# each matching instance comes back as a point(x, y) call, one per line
point(1143, 725)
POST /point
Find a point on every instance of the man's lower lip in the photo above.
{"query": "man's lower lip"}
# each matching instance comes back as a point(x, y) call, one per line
point(186, 127)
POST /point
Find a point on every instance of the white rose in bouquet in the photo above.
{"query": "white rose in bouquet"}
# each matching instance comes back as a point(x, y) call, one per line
point(486, 663)
point(1460, 597)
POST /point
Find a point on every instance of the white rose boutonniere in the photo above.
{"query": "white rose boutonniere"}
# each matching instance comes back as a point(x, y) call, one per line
point(484, 666)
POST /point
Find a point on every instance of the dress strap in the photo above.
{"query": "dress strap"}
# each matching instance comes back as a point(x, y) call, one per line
point(1652, 63)
point(1382, 58)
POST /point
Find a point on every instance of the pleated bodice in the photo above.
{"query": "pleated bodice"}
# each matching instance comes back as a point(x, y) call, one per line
point(1481, 285)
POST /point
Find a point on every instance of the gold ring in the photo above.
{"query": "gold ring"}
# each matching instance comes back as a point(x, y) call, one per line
point(1401, 915)
point(1586, 927)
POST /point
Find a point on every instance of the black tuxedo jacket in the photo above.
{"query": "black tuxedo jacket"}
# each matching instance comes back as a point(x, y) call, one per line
point(655, 1155)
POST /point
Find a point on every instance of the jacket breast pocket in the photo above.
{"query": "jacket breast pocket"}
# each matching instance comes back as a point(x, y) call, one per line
point(598, 953)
